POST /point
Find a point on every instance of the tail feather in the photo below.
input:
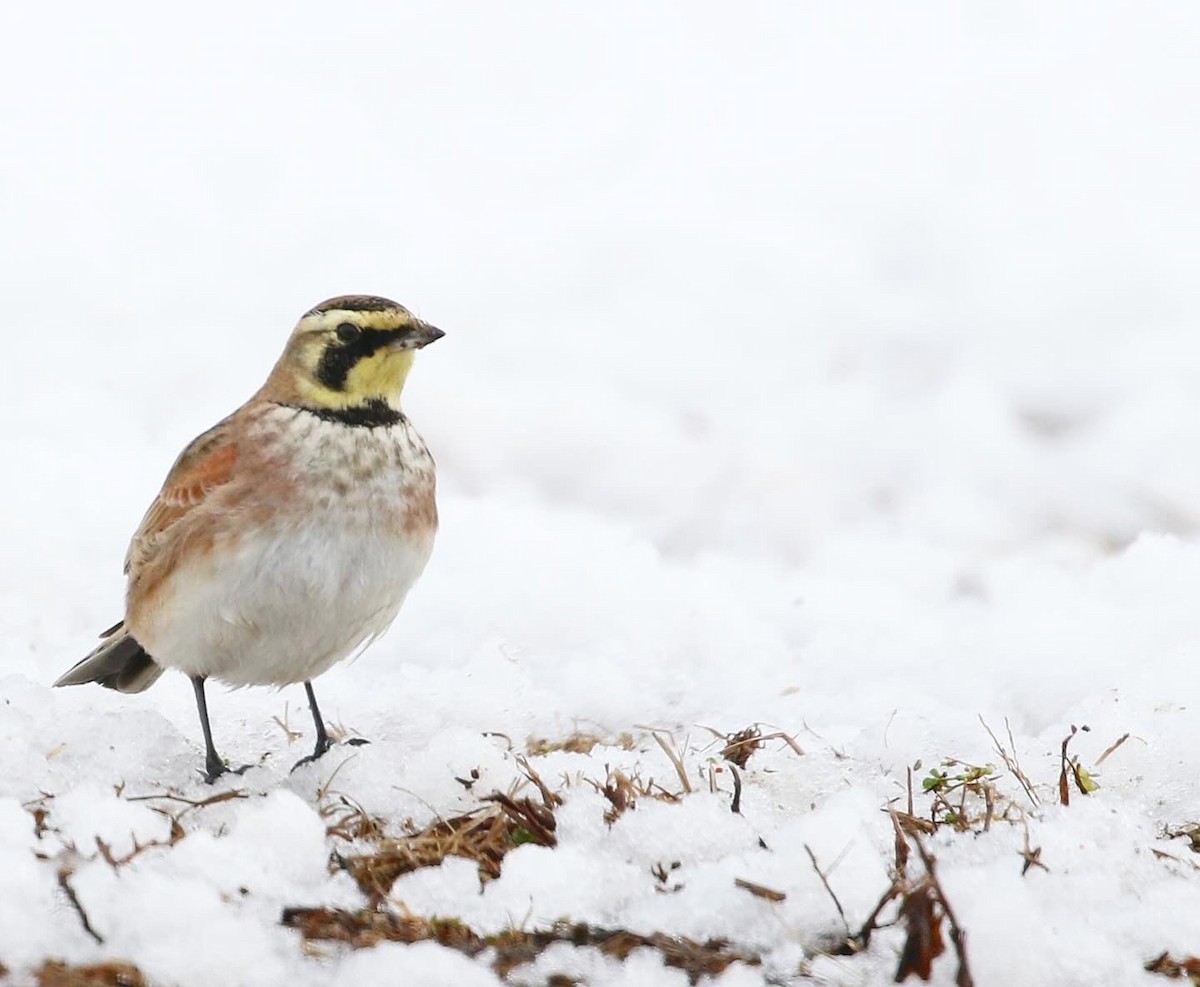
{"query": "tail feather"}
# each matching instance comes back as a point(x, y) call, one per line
point(118, 662)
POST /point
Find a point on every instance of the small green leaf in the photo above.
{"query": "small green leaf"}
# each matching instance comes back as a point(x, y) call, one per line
point(935, 781)
point(1086, 781)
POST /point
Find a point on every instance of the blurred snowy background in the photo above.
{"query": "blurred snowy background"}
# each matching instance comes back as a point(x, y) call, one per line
point(835, 366)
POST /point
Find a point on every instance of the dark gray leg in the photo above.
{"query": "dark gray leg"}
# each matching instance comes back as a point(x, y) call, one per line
point(323, 741)
point(213, 765)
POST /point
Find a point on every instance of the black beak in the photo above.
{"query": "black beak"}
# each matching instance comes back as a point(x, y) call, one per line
point(425, 334)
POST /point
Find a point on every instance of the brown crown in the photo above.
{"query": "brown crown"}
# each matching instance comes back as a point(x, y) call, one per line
point(355, 303)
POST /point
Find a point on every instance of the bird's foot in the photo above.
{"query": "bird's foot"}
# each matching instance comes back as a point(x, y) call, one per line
point(323, 748)
point(214, 769)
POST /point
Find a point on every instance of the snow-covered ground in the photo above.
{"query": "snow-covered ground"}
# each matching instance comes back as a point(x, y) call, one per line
point(830, 367)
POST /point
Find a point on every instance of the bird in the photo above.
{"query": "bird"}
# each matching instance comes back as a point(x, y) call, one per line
point(286, 537)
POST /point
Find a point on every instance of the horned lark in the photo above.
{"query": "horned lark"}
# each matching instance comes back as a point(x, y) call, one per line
point(286, 537)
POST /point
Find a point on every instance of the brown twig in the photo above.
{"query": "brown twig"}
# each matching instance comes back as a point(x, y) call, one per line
point(1110, 749)
point(760, 891)
point(549, 798)
point(825, 883)
point(674, 758)
point(64, 882)
point(191, 803)
point(1011, 761)
point(787, 738)
point(1064, 788)
point(1031, 855)
point(899, 848)
point(323, 791)
point(1083, 780)
point(777, 734)
point(862, 939)
point(284, 725)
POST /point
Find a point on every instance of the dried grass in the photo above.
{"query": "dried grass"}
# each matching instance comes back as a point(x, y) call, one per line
point(483, 835)
point(623, 791)
point(365, 928)
point(345, 819)
point(576, 742)
point(740, 746)
point(54, 973)
point(1187, 968)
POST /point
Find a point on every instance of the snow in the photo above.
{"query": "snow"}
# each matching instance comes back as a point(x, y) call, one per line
point(827, 367)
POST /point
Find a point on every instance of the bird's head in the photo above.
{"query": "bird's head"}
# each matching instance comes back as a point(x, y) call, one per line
point(349, 352)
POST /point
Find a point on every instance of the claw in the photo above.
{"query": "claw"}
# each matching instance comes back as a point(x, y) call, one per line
point(211, 773)
point(323, 748)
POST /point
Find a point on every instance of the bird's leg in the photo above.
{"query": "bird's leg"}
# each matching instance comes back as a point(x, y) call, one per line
point(214, 766)
point(323, 741)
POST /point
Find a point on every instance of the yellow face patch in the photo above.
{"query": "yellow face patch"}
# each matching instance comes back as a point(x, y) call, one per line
point(382, 374)
point(335, 372)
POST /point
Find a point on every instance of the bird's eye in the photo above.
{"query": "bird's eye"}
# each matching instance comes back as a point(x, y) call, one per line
point(348, 331)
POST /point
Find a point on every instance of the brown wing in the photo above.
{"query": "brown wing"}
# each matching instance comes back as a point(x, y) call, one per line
point(206, 464)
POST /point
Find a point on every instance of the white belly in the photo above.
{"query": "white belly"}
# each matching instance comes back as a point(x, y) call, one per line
point(282, 607)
